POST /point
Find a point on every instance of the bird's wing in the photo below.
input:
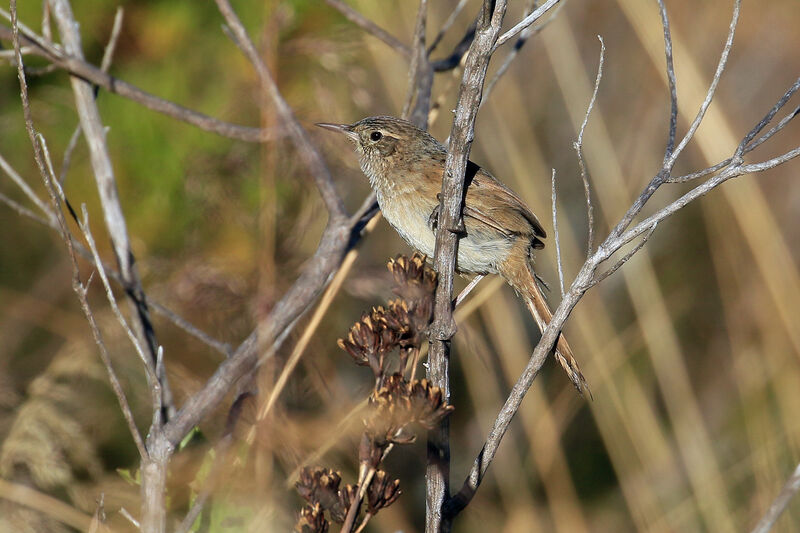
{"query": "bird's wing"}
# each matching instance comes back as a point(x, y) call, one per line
point(488, 202)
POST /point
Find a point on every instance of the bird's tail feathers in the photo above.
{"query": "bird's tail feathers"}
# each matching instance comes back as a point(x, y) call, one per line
point(524, 281)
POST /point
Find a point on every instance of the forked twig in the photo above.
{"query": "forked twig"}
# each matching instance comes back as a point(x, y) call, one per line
point(578, 145)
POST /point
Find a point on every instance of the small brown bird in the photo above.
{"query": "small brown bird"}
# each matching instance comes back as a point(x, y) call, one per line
point(405, 166)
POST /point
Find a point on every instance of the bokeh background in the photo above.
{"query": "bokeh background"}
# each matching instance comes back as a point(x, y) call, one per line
point(692, 350)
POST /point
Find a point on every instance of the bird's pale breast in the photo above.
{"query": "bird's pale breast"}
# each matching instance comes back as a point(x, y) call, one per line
point(479, 252)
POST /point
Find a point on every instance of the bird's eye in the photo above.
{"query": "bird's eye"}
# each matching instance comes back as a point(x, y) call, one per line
point(375, 136)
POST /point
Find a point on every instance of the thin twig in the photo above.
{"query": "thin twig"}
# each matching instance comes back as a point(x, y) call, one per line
point(669, 163)
point(22, 210)
point(447, 25)
point(140, 350)
point(57, 196)
point(767, 119)
point(419, 69)
point(712, 89)
point(23, 185)
point(673, 89)
point(525, 22)
point(82, 69)
point(95, 135)
point(578, 145)
point(603, 275)
point(116, 28)
point(524, 37)
point(555, 232)
point(105, 64)
point(450, 226)
point(42, 158)
point(750, 147)
point(780, 503)
point(305, 148)
point(370, 27)
point(468, 289)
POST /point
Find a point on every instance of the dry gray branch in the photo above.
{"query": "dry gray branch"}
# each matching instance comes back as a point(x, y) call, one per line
point(105, 64)
point(368, 26)
point(308, 152)
point(526, 34)
point(555, 232)
point(673, 87)
point(447, 24)
point(86, 71)
point(780, 503)
point(587, 276)
point(45, 168)
point(24, 187)
point(450, 227)
point(103, 171)
point(578, 145)
point(525, 22)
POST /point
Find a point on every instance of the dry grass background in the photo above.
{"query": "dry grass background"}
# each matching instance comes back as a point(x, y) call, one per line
point(692, 350)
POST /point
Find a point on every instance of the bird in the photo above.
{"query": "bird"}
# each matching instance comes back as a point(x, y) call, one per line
point(405, 164)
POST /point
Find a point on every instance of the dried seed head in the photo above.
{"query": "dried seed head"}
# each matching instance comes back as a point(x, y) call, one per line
point(399, 403)
point(382, 492)
point(319, 485)
point(415, 280)
point(344, 501)
point(311, 520)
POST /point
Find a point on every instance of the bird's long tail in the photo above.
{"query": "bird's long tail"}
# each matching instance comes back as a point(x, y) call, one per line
point(523, 280)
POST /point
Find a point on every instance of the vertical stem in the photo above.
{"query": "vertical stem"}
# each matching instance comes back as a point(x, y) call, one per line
point(449, 230)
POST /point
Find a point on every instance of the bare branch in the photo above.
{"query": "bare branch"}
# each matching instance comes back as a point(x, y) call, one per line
point(108, 53)
point(600, 277)
point(673, 90)
point(45, 168)
point(22, 184)
point(578, 145)
point(94, 132)
point(370, 27)
point(140, 350)
point(750, 147)
point(86, 71)
point(454, 59)
point(525, 22)
point(694, 194)
point(420, 74)
point(780, 503)
point(105, 64)
point(583, 282)
point(767, 119)
point(447, 25)
point(555, 232)
point(305, 148)
point(526, 34)
point(450, 226)
point(22, 210)
point(468, 289)
point(712, 89)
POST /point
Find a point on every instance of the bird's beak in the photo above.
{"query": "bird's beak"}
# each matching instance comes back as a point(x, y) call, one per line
point(347, 129)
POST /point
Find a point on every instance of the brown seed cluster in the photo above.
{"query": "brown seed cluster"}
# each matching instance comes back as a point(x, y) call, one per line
point(401, 324)
point(399, 403)
point(396, 403)
point(329, 503)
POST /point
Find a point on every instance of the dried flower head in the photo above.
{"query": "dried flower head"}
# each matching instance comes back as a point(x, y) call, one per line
point(413, 277)
point(311, 520)
point(319, 485)
point(382, 492)
point(371, 338)
point(399, 403)
point(344, 500)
